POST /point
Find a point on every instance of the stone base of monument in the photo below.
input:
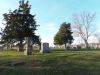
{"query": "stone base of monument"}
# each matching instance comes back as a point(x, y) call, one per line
point(44, 48)
point(17, 62)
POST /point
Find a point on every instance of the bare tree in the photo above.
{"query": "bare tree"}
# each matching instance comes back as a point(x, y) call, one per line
point(83, 26)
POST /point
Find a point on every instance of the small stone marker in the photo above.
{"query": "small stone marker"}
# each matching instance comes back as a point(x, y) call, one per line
point(45, 48)
point(18, 62)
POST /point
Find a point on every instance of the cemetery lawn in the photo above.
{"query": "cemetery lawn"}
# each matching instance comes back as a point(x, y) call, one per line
point(57, 62)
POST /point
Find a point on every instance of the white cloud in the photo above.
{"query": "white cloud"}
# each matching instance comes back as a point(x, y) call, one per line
point(49, 27)
point(48, 40)
point(47, 32)
point(93, 39)
point(79, 40)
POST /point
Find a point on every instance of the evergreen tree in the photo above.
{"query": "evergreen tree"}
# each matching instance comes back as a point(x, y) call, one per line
point(64, 35)
point(19, 24)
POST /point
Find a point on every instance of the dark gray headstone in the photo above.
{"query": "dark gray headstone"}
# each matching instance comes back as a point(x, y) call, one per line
point(45, 47)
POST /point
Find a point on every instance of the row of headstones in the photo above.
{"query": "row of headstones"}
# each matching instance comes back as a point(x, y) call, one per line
point(44, 49)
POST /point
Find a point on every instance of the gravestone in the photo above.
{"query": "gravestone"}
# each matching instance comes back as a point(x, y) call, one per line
point(44, 48)
point(18, 62)
point(28, 49)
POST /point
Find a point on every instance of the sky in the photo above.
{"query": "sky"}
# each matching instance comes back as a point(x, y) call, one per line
point(50, 14)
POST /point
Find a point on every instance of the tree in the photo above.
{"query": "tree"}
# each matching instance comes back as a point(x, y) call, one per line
point(20, 25)
point(83, 26)
point(64, 35)
point(57, 39)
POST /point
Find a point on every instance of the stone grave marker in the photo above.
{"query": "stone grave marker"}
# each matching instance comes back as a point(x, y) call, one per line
point(44, 48)
point(28, 50)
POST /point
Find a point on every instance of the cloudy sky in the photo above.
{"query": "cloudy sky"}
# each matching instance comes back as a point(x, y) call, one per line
point(51, 13)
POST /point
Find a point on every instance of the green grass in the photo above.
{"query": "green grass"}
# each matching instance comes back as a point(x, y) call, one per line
point(57, 62)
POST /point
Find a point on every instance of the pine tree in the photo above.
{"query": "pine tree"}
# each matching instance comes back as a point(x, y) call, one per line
point(64, 35)
point(20, 24)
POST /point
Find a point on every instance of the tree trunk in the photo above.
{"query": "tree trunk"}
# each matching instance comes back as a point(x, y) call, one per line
point(39, 46)
point(7, 46)
point(11, 45)
point(20, 48)
point(86, 44)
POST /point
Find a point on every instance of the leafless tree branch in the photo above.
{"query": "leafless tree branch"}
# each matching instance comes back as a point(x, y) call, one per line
point(83, 24)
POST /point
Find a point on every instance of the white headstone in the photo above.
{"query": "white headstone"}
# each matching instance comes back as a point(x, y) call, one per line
point(28, 50)
point(44, 47)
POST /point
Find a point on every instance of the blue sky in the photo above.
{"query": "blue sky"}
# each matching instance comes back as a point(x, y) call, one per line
point(51, 13)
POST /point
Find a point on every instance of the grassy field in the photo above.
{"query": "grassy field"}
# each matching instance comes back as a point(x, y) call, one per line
point(57, 62)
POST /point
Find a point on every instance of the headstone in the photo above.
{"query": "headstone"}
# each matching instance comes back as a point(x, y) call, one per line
point(28, 49)
point(44, 48)
point(17, 62)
